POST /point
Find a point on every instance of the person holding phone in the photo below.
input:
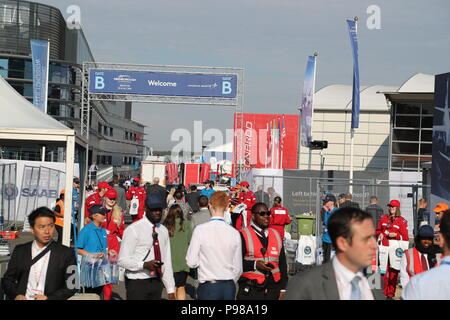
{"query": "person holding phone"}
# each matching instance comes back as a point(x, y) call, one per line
point(264, 262)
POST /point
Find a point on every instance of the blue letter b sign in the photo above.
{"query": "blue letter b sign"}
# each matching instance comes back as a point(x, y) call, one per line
point(99, 83)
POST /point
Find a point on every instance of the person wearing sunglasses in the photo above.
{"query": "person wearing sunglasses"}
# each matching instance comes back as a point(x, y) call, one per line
point(115, 226)
point(264, 262)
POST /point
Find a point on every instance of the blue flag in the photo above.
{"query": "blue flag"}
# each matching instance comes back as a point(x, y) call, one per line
point(307, 102)
point(355, 95)
point(40, 61)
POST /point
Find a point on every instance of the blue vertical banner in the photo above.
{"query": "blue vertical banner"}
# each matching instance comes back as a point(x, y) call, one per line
point(40, 62)
point(352, 29)
point(307, 102)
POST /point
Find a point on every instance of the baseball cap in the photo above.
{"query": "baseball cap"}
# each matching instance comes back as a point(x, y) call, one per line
point(426, 231)
point(394, 203)
point(245, 184)
point(154, 201)
point(233, 189)
point(76, 180)
point(63, 191)
point(97, 209)
point(441, 207)
point(329, 197)
point(136, 179)
point(103, 185)
point(111, 194)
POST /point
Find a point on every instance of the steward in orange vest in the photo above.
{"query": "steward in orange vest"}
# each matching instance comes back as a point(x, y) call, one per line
point(59, 214)
point(264, 261)
point(422, 257)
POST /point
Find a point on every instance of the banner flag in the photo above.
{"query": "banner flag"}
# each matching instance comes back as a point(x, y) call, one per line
point(352, 29)
point(307, 102)
point(40, 63)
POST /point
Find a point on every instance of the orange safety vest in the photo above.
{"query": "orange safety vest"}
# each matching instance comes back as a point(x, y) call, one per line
point(60, 221)
point(413, 263)
point(254, 246)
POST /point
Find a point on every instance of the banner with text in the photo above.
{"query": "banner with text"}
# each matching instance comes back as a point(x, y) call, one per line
point(307, 102)
point(40, 63)
point(352, 31)
point(163, 83)
point(269, 141)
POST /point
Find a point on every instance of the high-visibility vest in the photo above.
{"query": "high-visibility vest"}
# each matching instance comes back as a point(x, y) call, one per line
point(254, 246)
point(414, 264)
point(60, 221)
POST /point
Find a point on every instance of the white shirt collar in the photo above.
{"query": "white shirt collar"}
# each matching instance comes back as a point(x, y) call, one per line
point(157, 225)
point(260, 230)
point(346, 274)
point(37, 248)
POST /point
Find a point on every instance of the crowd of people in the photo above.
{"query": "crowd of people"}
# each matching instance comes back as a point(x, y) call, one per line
point(230, 242)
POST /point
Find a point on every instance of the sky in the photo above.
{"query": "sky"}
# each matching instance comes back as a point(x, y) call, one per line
point(271, 40)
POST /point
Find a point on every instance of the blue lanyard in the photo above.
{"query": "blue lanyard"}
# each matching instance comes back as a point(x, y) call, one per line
point(217, 219)
point(445, 262)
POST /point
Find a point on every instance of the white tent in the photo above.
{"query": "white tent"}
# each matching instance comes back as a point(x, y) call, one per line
point(22, 124)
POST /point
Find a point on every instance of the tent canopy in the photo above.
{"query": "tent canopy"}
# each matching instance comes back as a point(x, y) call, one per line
point(22, 123)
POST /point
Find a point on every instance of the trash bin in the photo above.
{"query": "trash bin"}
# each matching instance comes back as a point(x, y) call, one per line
point(305, 224)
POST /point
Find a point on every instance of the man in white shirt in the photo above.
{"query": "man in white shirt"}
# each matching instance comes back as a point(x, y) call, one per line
point(353, 236)
point(433, 284)
point(215, 249)
point(145, 255)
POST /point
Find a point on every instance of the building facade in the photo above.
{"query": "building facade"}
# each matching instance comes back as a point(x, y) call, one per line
point(115, 139)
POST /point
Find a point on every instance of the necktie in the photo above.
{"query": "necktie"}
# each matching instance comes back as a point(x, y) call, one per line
point(356, 292)
point(423, 260)
point(156, 249)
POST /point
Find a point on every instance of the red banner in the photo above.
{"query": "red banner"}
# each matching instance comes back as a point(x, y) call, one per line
point(268, 141)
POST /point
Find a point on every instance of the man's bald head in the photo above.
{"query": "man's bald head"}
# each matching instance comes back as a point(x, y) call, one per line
point(155, 180)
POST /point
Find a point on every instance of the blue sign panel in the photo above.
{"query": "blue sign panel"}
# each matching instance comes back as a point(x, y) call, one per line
point(163, 83)
point(40, 60)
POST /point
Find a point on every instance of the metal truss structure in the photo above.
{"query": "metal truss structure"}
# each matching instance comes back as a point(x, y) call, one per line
point(237, 102)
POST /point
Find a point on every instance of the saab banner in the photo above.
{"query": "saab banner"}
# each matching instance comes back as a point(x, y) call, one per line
point(163, 83)
point(352, 31)
point(269, 141)
point(440, 179)
point(307, 102)
point(40, 63)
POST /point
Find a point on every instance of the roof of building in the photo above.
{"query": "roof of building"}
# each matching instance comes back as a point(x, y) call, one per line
point(418, 83)
point(339, 97)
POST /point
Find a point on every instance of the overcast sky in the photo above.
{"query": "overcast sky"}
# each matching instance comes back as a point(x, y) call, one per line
point(271, 40)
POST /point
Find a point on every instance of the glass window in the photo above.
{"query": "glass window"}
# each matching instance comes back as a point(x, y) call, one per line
point(405, 148)
point(427, 122)
point(99, 128)
point(426, 148)
point(400, 162)
point(4, 68)
point(407, 121)
point(406, 135)
point(427, 135)
point(410, 108)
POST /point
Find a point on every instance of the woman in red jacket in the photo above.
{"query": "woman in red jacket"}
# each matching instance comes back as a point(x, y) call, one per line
point(392, 226)
point(279, 217)
point(115, 226)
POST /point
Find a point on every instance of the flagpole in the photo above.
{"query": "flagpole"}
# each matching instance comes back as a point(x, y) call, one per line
point(352, 133)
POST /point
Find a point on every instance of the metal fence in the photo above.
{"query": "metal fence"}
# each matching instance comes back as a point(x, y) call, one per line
point(8, 193)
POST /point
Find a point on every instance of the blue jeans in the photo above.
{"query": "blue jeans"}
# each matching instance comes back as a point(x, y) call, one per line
point(223, 290)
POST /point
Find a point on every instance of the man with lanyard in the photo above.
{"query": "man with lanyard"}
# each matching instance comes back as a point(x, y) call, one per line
point(145, 254)
point(95, 199)
point(140, 194)
point(248, 198)
point(114, 225)
point(264, 261)
point(433, 284)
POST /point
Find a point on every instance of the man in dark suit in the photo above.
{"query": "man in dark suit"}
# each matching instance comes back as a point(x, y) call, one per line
point(348, 203)
point(343, 278)
point(40, 270)
point(192, 198)
point(155, 188)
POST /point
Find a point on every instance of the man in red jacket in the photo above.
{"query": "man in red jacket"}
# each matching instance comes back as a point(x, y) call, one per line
point(248, 198)
point(137, 191)
point(95, 199)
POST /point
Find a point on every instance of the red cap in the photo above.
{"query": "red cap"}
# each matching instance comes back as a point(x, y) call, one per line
point(245, 184)
point(394, 203)
point(136, 180)
point(103, 185)
point(232, 189)
point(111, 194)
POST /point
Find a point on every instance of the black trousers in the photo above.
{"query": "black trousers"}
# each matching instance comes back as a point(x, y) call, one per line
point(326, 251)
point(144, 289)
point(247, 292)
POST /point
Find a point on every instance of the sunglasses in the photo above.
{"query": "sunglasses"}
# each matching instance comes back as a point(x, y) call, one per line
point(114, 199)
point(263, 213)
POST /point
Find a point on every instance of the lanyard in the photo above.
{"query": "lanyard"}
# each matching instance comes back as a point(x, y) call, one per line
point(217, 219)
point(100, 240)
point(445, 262)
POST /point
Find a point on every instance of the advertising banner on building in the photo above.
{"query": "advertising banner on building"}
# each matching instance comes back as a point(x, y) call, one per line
point(269, 141)
point(40, 63)
point(307, 102)
point(163, 83)
point(440, 179)
point(355, 96)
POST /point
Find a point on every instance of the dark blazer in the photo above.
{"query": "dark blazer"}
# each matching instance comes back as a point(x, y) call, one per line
point(15, 280)
point(319, 284)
